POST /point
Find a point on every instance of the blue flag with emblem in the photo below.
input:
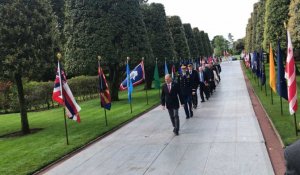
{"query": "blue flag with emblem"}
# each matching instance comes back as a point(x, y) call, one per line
point(281, 82)
point(137, 76)
point(166, 68)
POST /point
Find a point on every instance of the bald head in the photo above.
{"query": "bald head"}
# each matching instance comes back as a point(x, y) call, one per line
point(168, 78)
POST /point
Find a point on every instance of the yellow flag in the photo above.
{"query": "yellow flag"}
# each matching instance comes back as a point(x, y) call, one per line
point(272, 71)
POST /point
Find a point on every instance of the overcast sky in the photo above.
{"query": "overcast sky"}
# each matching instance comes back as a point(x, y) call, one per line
point(215, 17)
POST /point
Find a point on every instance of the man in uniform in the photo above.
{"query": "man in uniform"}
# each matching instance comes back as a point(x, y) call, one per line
point(184, 81)
point(194, 83)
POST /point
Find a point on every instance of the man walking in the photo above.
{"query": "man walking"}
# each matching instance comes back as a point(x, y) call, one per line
point(194, 83)
point(184, 80)
point(169, 99)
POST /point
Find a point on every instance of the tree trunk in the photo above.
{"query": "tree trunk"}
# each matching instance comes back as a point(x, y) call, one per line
point(114, 79)
point(22, 104)
point(149, 72)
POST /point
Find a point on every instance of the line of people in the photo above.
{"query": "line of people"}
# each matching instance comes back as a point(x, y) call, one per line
point(184, 90)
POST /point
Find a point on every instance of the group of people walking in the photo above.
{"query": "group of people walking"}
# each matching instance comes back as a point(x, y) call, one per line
point(182, 90)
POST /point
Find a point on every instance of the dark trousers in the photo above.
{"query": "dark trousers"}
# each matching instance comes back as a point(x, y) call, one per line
point(195, 99)
point(174, 118)
point(202, 90)
point(188, 105)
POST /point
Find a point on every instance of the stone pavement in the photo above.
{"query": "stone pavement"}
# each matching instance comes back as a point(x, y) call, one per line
point(223, 137)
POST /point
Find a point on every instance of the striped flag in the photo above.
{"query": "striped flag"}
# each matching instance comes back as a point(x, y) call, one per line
point(291, 77)
point(63, 95)
point(104, 90)
point(272, 70)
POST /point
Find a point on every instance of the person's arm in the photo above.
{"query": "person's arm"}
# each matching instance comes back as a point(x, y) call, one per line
point(163, 98)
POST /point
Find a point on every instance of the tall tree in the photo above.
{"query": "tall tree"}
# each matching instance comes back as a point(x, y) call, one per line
point(220, 44)
point(259, 37)
point(254, 24)
point(276, 15)
point(159, 35)
point(27, 44)
point(248, 39)
point(180, 41)
point(191, 40)
point(114, 30)
point(208, 43)
point(294, 24)
point(205, 44)
point(199, 42)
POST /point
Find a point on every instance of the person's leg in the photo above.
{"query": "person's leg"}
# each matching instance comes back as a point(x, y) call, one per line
point(177, 121)
point(171, 114)
point(190, 110)
point(201, 91)
point(185, 106)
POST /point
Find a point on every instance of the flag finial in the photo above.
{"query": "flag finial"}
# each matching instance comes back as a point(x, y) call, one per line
point(58, 55)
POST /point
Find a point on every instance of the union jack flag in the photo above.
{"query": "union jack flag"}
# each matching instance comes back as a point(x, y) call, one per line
point(63, 95)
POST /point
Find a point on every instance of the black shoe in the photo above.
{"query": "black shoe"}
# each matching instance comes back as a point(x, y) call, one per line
point(202, 101)
point(176, 133)
point(187, 117)
point(195, 106)
point(174, 130)
point(192, 114)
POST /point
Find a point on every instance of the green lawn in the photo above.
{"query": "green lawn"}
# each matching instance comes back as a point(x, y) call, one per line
point(283, 123)
point(27, 154)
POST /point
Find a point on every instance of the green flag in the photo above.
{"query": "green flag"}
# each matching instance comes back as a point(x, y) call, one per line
point(156, 77)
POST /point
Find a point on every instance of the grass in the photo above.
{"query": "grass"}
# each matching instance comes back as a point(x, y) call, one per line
point(27, 154)
point(283, 123)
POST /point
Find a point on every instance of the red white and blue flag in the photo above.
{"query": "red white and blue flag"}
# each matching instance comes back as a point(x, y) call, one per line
point(63, 95)
point(290, 75)
point(137, 76)
point(104, 91)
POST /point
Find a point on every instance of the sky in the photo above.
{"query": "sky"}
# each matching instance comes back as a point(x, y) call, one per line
point(215, 17)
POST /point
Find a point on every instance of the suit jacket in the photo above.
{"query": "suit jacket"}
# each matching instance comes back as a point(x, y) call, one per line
point(170, 99)
point(292, 157)
point(185, 84)
point(194, 79)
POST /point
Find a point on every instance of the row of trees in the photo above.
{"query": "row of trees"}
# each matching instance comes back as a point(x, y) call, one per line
point(268, 23)
point(32, 32)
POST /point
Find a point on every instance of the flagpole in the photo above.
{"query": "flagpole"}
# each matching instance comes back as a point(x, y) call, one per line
point(271, 96)
point(145, 81)
point(296, 128)
point(281, 105)
point(159, 80)
point(62, 96)
point(128, 77)
point(101, 85)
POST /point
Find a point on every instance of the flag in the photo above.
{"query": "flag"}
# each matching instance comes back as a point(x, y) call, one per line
point(129, 82)
point(291, 77)
point(156, 77)
point(105, 97)
point(63, 95)
point(173, 71)
point(166, 68)
point(254, 62)
point(137, 76)
point(272, 70)
point(258, 65)
point(281, 82)
point(262, 69)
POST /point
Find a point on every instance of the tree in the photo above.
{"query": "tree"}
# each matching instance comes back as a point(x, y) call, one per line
point(220, 44)
point(259, 37)
point(199, 41)
point(294, 23)
point(27, 43)
point(238, 46)
point(254, 24)
point(248, 40)
point(180, 41)
point(159, 35)
point(275, 17)
point(208, 43)
point(112, 29)
point(205, 44)
point(191, 40)
point(231, 40)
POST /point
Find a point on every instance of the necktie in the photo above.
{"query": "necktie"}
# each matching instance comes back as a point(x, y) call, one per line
point(169, 87)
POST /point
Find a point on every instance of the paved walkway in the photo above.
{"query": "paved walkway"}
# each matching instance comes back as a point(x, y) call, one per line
point(223, 137)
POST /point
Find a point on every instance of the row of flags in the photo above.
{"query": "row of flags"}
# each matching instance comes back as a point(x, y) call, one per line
point(285, 84)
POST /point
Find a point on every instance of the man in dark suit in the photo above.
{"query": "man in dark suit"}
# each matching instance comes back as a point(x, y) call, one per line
point(195, 83)
point(185, 84)
point(169, 99)
point(202, 80)
point(292, 159)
